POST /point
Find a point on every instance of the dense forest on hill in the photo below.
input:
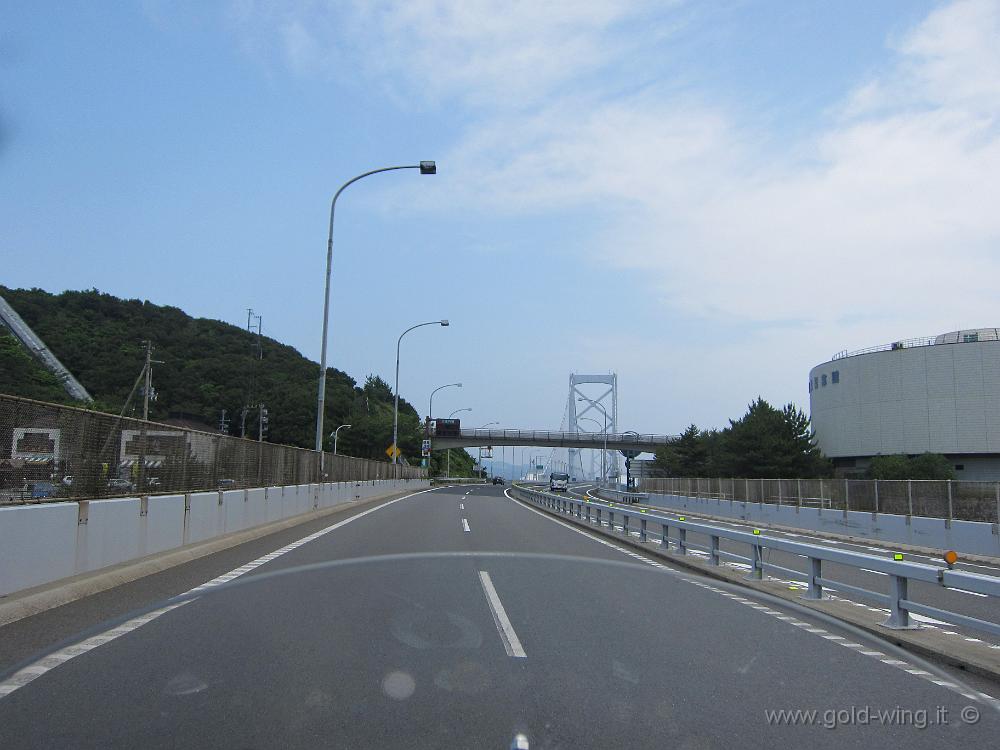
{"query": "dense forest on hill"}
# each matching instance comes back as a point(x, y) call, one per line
point(206, 367)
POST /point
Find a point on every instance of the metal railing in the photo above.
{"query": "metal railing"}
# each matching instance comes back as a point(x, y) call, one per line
point(899, 573)
point(893, 346)
point(50, 452)
point(946, 498)
point(553, 438)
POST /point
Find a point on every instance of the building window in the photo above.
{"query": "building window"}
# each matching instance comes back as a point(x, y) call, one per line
point(816, 382)
point(959, 467)
point(970, 338)
point(835, 376)
point(810, 385)
point(823, 381)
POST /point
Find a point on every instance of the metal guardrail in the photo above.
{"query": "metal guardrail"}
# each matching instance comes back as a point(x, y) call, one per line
point(625, 496)
point(899, 573)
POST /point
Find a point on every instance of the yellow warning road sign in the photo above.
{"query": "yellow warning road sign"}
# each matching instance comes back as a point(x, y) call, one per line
point(393, 452)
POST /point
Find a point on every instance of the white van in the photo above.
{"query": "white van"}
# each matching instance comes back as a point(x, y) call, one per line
point(558, 482)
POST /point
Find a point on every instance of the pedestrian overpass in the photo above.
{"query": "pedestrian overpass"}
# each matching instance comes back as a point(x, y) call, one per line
point(547, 439)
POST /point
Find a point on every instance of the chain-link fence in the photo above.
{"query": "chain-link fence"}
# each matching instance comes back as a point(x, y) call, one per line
point(951, 500)
point(52, 452)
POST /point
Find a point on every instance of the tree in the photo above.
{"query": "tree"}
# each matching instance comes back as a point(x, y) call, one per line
point(685, 456)
point(768, 443)
point(924, 466)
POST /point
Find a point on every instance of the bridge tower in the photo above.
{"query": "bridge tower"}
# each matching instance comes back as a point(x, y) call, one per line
point(591, 407)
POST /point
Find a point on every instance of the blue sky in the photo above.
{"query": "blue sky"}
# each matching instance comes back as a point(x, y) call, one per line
point(708, 198)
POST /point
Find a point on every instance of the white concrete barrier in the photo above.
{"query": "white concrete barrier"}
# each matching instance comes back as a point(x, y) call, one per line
point(46, 542)
point(24, 560)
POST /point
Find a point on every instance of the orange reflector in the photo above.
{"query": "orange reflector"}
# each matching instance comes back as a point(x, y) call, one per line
point(951, 557)
point(898, 556)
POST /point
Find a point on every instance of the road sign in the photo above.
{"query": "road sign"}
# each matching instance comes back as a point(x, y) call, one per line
point(425, 447)
point(393, 452)
point(629, 453)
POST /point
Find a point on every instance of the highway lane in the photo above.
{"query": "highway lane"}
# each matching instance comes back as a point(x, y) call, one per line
point(966, 603)
point(413, 652)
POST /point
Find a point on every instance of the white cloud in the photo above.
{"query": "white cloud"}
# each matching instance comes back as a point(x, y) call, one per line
point(880, 224)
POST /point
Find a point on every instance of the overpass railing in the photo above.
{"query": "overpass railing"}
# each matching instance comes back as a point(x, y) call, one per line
point(947, 499)
point(52, 452)
point(548, 436)
point(673, 533)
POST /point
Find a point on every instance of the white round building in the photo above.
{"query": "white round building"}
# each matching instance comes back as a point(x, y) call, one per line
point(940, 394)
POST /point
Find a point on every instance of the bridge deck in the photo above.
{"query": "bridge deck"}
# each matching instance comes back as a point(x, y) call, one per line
point(548, 439)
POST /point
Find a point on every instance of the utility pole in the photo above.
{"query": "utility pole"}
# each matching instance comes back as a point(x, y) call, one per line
point(262, 422)
point(223, 422)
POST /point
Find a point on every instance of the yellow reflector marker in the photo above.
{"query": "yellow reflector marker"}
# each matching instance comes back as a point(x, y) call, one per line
point(681, 518)
point(951, 557)
point(898, 556)
point(756, 532)
point(641, 510)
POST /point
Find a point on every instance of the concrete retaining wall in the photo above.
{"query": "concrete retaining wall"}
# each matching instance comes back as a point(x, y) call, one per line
point(969, 537)
point(43, 543)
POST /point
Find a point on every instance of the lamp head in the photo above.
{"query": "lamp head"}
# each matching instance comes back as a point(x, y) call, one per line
point(445, 323)
point(428, 167)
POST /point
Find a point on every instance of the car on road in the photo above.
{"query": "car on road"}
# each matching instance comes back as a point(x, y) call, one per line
point(558, 481)
point(498, 480)
point(120, 485)
point(39, 490)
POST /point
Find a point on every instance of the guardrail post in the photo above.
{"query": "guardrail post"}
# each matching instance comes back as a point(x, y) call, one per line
point(798, 495)
point(947, 521)
point(598, 509)
point(642, 529)
point(756, 564)
point(815, 590)
point(875, 512)
point(682, 540)
point(625, 525)
point(713, 557)
point(847, 496)
point(899, 615)
point(909, 500)
point(611, 521)
point(588, 513)
point(996, 523)
point(579, 509)
point(821, 496)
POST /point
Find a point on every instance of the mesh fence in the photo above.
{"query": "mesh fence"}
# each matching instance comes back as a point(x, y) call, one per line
point(958, 500)
point(52, 452)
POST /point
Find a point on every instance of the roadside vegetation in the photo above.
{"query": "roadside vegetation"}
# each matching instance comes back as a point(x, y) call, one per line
point(207, 367)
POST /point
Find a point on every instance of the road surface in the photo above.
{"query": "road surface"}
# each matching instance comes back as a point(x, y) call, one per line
point(481, 623)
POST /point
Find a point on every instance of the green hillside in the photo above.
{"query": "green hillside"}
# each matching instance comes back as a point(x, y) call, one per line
point(206, 368)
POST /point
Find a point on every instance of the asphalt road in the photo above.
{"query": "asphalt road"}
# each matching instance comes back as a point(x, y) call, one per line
point(479, 620)
point(966, 603)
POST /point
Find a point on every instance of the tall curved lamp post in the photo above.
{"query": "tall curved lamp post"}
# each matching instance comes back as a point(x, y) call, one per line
point(425, 167)
point(447, 472)
point(334, 436)
point(395, 403)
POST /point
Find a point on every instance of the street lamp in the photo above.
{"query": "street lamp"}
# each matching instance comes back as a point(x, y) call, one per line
point(588, 419)
point(395, 404)
point(334, 436)
point(425, 167)
point(448, 470)
point(604, 453)
point(430, 414)
point(430, 407)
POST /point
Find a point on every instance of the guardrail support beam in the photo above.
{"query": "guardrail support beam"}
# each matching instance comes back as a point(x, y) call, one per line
point(642, 529)
point(815, 590)
point(756, 564)
point(713, 556)
point(899, 615)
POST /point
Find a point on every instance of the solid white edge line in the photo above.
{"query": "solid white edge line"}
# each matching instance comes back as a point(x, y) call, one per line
point(465, 525)
point(29, 673)
point(511, 643)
